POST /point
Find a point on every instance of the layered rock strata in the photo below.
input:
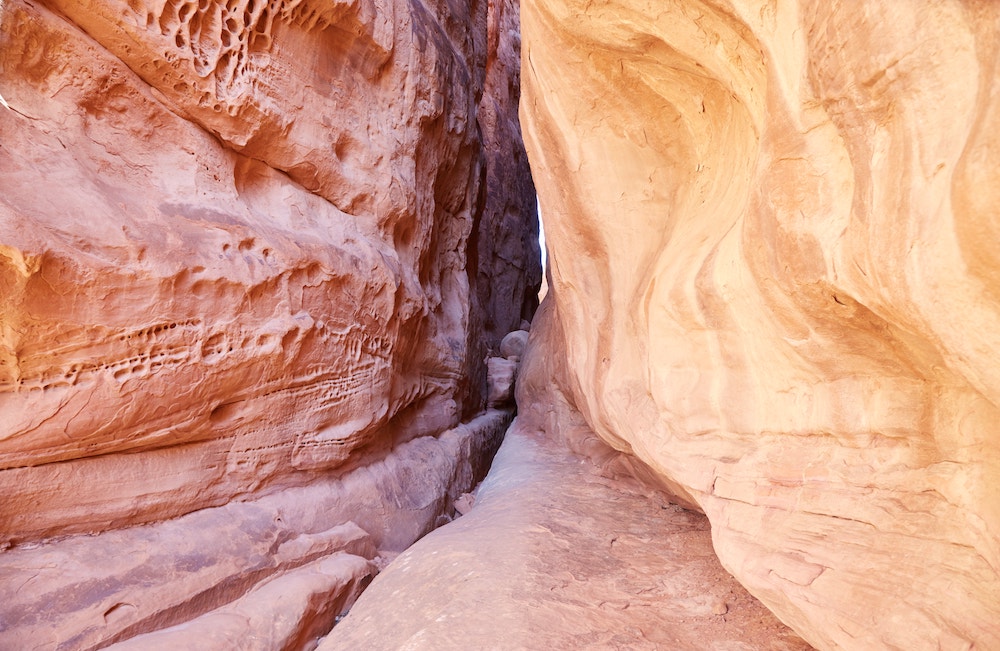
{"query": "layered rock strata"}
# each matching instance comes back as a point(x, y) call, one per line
point(85, 592)
point(771, 242)
point(242, 247)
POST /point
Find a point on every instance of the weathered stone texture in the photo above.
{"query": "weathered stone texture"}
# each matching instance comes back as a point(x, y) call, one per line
point(166, 288)
point(239, 256)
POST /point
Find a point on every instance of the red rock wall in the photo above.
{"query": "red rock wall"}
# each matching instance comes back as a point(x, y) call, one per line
point(245, 248)
point(772, 236)
point(242, 231)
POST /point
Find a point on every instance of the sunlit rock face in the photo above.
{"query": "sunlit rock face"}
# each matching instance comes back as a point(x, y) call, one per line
point(772, 238)
point(245, 249)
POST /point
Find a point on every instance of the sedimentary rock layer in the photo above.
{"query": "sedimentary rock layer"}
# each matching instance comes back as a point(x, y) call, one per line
point(242, 255)
point(771, 237)
point(216, 564)
point(234, 245)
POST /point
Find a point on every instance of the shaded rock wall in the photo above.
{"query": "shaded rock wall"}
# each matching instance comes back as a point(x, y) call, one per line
point(505, 285)
point(243, 251)
point(771, 239)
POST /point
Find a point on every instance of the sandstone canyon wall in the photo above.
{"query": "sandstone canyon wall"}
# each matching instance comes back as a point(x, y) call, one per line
point(246, 252)
point(772, 241)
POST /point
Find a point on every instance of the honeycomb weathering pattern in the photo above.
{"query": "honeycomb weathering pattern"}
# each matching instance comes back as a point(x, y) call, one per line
point(252, 257)
point(230, 41)
point(245, 298)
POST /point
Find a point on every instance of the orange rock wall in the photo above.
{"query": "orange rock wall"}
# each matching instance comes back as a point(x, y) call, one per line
point(771, 232)
point(235, 244)
point(245, 251)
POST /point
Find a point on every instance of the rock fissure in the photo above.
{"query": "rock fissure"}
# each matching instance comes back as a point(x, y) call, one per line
point(267, 269)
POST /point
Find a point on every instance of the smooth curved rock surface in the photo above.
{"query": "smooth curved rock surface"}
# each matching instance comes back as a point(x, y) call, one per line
point(771, 235)
point(555, 556)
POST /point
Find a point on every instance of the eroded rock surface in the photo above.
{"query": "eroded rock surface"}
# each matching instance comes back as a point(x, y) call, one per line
point(241, 250)
point(555, 556)
point(772, 236)
point(83, 592)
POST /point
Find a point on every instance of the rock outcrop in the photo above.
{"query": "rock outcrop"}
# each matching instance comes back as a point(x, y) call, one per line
point(243, 252)
point(771, 232)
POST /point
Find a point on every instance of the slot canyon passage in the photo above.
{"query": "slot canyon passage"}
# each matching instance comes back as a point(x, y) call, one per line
point(267, 269)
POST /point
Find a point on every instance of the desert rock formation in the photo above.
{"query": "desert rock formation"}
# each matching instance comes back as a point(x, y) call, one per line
point(772, 234)
point(257, 262)
point(244, 253)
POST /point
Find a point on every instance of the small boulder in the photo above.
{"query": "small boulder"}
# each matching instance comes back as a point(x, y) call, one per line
point(500, 376)
point(513, 344)
point(464, 503)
